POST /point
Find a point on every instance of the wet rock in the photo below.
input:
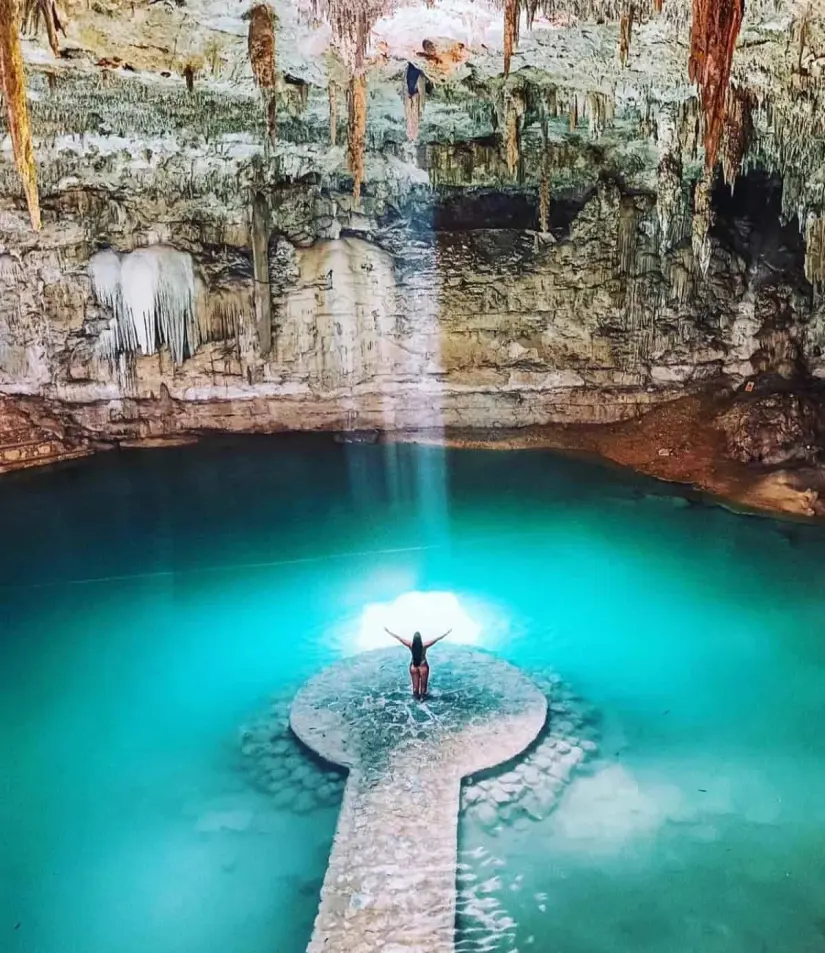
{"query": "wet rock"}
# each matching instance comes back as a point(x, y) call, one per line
point(775, 429)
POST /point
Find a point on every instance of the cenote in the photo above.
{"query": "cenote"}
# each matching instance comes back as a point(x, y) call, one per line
point(152, 601)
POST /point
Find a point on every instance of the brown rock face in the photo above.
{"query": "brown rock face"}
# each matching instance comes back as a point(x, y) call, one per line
point(30, 438)
point(777, 429)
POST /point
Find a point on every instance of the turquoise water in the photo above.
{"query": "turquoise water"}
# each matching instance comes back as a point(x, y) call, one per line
point(152, 601)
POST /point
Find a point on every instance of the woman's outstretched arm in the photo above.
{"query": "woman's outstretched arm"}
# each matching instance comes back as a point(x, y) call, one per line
point(440, 637)
point(398, 638)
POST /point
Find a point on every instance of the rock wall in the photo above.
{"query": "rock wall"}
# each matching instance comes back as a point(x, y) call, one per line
point(394, 314)
point(29, 438)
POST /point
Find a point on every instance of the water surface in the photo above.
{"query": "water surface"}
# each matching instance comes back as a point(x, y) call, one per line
point(152, 601)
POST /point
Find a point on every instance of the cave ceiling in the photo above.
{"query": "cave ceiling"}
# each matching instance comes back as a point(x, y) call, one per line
point(382, 97)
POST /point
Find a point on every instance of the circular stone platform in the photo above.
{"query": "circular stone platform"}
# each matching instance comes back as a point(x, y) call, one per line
point(391, 881)
point(360, 711)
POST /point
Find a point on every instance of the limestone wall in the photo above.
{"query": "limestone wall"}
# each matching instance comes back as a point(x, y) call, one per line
point(378, 320)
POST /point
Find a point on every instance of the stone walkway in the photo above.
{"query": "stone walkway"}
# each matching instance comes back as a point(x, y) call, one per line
point(391, 880)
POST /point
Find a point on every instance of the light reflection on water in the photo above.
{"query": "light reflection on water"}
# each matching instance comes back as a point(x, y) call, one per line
point(231, 571)
point(431, 613)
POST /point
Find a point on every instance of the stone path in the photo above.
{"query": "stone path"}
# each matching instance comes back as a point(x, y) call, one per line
point(391, 880)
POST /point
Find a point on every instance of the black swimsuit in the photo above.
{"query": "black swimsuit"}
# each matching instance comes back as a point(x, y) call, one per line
point(422, 664)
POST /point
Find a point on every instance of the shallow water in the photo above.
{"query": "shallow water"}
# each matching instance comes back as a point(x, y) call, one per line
point(152, 601)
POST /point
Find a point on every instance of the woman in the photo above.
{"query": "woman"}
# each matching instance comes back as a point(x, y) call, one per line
point(419, 666)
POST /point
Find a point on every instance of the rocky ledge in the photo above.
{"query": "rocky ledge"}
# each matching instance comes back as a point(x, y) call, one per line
point(433, 314)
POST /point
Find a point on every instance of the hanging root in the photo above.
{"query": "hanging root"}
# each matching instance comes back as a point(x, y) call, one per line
point(512, 15)
point(262, 46)
point(626, 34)
point(261, 42)
point(715, 29)
point(357, 129)
point(17, 111)
point(34, 11)
point(333, 114)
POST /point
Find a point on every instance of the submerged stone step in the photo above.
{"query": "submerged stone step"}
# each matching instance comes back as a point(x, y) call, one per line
point(391, 880)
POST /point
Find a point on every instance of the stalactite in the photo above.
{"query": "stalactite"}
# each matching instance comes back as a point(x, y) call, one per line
point(272, 116)
point(738, 133)
point(414, 95)
point(511, 141)
point(689, 127)
point(626, 236)
point(669, 201)
point(262, 46)
point(544, 184)
point(512, 17)
point(544, 199)
point(625, 34)
point(803, 26)
point(225, 309)
point(703, 221)
point(34, 11)
point(714, 32)
point(815, 251)
point(333, 113)
point(681, 278)
point(261, 42)
point(598, 110)
point(17, 111)
point(514, 109)
point(357, 129)
point(260, 270)
point(298, 90)
point(351, 23)
point(151, 293)
point(567, 13)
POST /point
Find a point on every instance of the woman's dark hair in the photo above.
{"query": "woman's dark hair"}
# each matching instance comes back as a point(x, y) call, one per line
point(417, 649)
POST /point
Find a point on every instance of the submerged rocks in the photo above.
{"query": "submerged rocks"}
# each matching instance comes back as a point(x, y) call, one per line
point(279, 765)
point(532, 788)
